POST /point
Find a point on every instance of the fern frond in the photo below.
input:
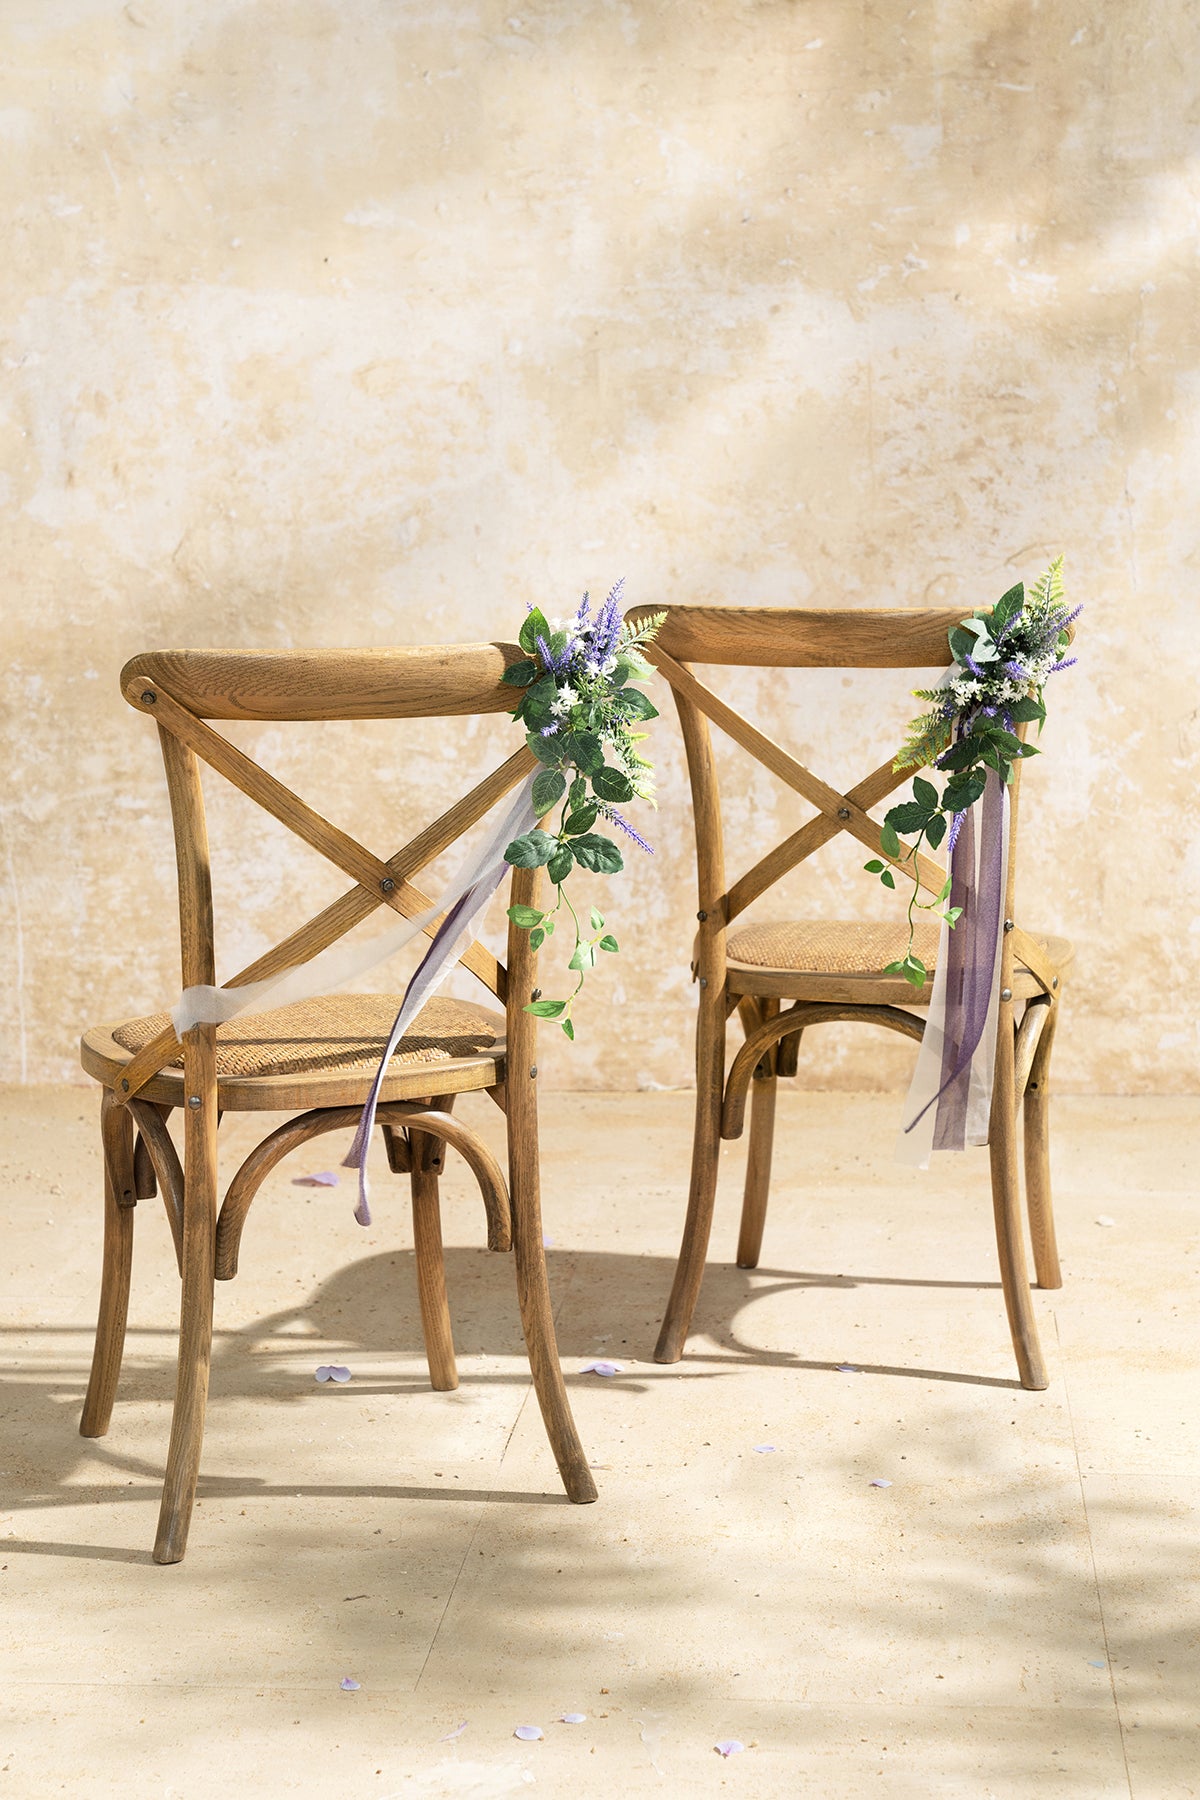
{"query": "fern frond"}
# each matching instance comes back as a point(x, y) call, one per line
point(927, 737)
point(1047, 593)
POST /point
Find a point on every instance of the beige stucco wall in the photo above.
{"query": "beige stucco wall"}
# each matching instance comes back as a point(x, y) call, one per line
point(361, 322)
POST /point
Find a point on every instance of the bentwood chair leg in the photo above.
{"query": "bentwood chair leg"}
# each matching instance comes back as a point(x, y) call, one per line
point(758, 1172)
point(428, 1154)
point(116, 1138)
point(195, 1329)
point(1037, 1159)
point(533, 1288)
point(1006, 1205)
point(689, 1271)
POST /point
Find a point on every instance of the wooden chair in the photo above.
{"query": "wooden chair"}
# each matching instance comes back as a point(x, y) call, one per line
point(834, 970)
point(316, 1057)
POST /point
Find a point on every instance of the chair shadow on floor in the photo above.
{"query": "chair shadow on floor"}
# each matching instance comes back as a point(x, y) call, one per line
point(366, 1313)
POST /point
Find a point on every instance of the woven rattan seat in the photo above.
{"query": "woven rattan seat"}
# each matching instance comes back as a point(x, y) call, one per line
point(849, 948)
point(335, 1031)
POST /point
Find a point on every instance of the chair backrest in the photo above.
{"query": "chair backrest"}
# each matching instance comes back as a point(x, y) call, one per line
point(181, 690)
point(793, 637)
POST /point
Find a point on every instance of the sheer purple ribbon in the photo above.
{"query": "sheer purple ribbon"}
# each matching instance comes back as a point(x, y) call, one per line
point(453, 935)
point(949, 1101)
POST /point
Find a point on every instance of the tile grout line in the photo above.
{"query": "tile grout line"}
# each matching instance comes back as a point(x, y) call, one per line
point(1092, 1554)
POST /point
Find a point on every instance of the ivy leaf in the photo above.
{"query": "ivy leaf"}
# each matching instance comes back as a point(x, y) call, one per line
point(910, 815)
point(536, 625)
point(549, 785)
point(889, 842)
point(612, 785)
point(569, 1029)
point(596, 919)
point(597, 853)
point(874, 867)
point(533, 851)
point(546, 1009)
point(914, 971)
point(945, 893)
point(636, 705)
point(925, 793)
point(560, 864)
point(888, 879)
point(952, 915)
point(610, 944)
point(537, 938)
point(525, 916)
point(584, 957)
point(548, 924)
point(935, 831)
point(584, 749)
point(581, 820)
point(519, 674)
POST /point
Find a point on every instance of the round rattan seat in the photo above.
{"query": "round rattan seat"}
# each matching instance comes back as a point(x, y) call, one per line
point(333, 1040)
point(810, 958)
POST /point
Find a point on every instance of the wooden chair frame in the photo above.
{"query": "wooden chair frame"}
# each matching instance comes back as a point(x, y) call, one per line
point(181, 691)
point(797, 638)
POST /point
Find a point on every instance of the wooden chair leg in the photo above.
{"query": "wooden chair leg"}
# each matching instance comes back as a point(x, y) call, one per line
point(758, 1160)
point(1037, 1159)
point(120, 1199)
point(533, 1287)
point(689, 1271)
point(196, 1307)
point(1006, 1205)
point(427, 1156)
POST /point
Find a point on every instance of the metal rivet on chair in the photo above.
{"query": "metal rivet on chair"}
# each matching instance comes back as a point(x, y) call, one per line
point(535, 996)
point(703, 981)
point(1008, 924)
point(193, 1100)
point(387, 884)
point(124, 1087)
point(533, 1072)
point(150, 698)
point(1054, 982)
point(1006, 993)
point(702, 916)
point(843, 812)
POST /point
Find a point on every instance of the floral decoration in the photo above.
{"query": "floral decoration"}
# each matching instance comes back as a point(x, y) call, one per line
point(580, 711)
point(1003, 657)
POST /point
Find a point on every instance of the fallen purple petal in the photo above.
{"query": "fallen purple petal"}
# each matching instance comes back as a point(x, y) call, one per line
point(599, 1367)
point(1096, 1663)
point(351, 1686)
point(729, 1747)
point(573, 1718)
point(331, 1372)
point(847, 1369)
point(326, 1178)
point(880, 1481)
point(765, 1449)
point(456, 1733)
point(529, 1734)
point(547, 1241)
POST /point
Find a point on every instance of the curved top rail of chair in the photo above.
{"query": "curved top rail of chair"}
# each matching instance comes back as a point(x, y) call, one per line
point(796, 637)
point(400, 683)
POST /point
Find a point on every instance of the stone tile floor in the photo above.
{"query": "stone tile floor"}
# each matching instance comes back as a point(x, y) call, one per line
point(1017, 1614)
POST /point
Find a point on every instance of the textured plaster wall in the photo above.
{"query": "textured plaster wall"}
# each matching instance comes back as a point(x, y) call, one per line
point(363, 322)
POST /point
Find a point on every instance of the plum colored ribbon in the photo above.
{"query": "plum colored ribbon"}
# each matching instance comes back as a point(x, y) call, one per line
point(463, 903)
point(950, 1099)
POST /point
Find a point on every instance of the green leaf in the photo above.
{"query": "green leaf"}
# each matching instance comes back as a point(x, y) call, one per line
point(960, 756)
point(519, 674)
point(935, 831)
point(945, 893)
point(612, 785)
point(910, 815)
point(581, 820)
point(957, 799)
point(537, 938)
point(584, 749)
point(546, 1009)
point(536, 625)
point(549, 786)
point(961, 642)
point(596, 919)
point(538, 704)
point(889, 842)
point(525, 916)
point(560, 864)
point(914, 971)
point(1006, 606)
point(598, 853)
point(952, 915)
point(925, 793)
point(548, 926)
point(874, 867)
point(578, 793)
point(533, 851)
point(636, 705)
point(1027, 711)
point(548, 750)
point(888, 879)
point(569, 1029)
point(610, 944)
point(584, 957)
